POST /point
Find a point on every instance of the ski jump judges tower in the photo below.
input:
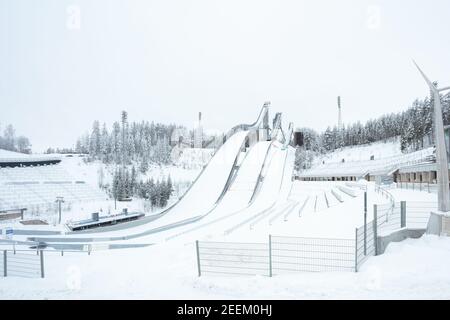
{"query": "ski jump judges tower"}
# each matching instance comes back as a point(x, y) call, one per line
point(439, 222)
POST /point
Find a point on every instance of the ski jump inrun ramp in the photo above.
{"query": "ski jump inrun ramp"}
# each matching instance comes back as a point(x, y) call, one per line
point(251, 172)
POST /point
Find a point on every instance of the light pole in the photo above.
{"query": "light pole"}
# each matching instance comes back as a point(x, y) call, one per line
point(441, 151)
point(59, 200)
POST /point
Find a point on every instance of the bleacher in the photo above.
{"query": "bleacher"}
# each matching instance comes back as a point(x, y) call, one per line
point(35, 187)
point(362, 168)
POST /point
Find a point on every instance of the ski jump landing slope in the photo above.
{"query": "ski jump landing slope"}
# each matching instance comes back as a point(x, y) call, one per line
point(198, 201)
point(273, 191)
point(239, 194)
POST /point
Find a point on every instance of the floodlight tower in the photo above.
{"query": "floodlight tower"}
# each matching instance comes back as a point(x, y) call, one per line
point(339, 113)
point(441, 152)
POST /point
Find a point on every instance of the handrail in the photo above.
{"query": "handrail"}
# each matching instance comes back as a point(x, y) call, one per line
point(241, 127)
point(259, 178)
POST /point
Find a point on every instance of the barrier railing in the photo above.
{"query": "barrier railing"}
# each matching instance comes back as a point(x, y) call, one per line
point(22, 263)
point(418, 186)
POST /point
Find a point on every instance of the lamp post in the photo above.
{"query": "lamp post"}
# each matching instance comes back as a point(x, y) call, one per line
point(441, 151)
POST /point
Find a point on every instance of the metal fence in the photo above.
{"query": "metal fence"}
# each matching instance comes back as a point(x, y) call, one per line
point(26, 263)
point(283, 254)
point(295, 254)
point(278, 256)
point(418, 186)
point(233, 258)
point(365, 243)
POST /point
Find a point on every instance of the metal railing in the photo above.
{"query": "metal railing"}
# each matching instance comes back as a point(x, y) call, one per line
point(418, 186)
point(22, 263)
point(356, 185)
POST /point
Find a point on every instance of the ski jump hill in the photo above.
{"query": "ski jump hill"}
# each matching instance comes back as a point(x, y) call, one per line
point(249, 174)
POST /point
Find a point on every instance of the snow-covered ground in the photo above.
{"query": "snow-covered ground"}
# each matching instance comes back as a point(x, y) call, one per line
point(374, 159)
point(412, 269)
point(378, 150)
point(168, 268)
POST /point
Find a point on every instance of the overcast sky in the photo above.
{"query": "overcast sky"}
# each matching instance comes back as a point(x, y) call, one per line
point(64, 64)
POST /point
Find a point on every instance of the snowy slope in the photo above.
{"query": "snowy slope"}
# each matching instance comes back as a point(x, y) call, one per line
point(379, 150)
point(273, 187)
point(198, 200)
point(238, 195)
point(387, 157)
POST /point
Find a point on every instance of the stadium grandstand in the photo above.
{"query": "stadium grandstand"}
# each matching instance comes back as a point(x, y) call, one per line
point(385, 168)
point(34, 181)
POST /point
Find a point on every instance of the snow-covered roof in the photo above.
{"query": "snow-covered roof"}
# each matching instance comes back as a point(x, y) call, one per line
point(381, 166)
point(424, 166)
point(12, 157)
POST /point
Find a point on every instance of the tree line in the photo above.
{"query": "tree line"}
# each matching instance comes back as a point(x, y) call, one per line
point(414, 126)
point(9, 141)
point(126, 185)
point(126, 143)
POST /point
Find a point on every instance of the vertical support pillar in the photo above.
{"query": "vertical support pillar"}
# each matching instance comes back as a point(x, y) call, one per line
point(270, 255)
point(365, 223)
point(42, 263)
point(356, 250)
point(198, 258)
point(375, 228)
point(402, 214)
point(5, 264)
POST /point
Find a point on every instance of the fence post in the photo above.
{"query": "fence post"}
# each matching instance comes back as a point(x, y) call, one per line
point(428, 186)
point(5, 268)
point(356, 249)
point(42, 263)
point(365, 223)
point(402, 214)
point(198, 258)
point(375, 228)
point(270, 255)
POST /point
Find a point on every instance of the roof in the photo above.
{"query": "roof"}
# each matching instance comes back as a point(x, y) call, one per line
point(10, 158)
point(383, 166)
point(424, 166)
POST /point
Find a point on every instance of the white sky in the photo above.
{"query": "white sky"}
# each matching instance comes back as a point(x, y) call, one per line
point(167, 60)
